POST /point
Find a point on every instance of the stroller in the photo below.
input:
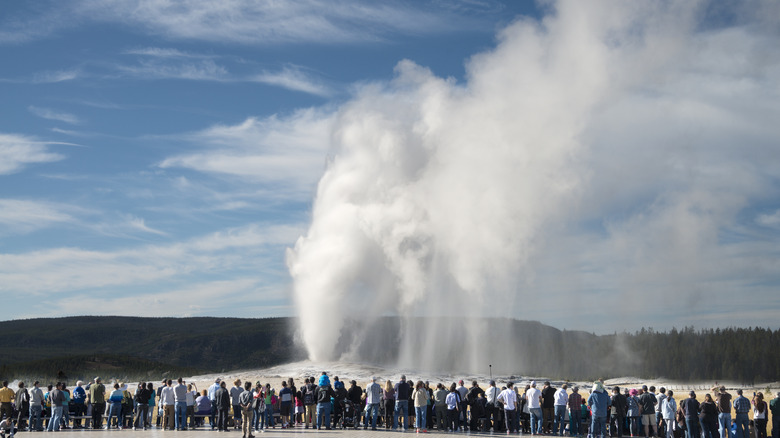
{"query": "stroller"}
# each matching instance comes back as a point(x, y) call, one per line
point(350, 415)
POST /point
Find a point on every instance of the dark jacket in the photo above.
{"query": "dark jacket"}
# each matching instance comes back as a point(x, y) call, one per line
point(473, 393)
point(402, 391)
point(691, 407)
point(354, 393)
point(619, 405)
point(143, 395)
point(222, 398)
point(324, 393)
point(548, 397)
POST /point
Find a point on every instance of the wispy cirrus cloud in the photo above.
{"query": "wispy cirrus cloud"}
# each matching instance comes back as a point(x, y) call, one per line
point(22, 216)
point(294, 78)
point(285, 152)
point(58, 270)
point(206, 70)
point(47, 77)
point(50, 114)
point(162, 52)
point(18, 151)
point(240, 21)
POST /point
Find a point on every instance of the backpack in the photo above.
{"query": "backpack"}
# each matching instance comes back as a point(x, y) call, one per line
point(308, 396)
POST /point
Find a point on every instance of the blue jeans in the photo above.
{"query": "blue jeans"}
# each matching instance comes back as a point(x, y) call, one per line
point(269, 416)
point(725, 425)
point(402, 409)
point(598, 427)
point(372, 410)
point(692, 427)
point(323, 415)
point(258, 420)
point(115, 410)
point(742, 421)
point(575, 422)
point(536, 420)
point(56, 417)
point(36, 421)
point(420, 414)
point(181, 415)
point(559, 426)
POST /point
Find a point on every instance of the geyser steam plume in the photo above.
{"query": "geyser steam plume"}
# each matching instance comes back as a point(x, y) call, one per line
point(439, 195)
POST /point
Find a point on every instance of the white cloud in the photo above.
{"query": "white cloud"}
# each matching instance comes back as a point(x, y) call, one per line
point(21, 216)
point(205, 70)
point(58, 271)
point(769, 220)
point(48, 77)
point(47, 113)
point(17, 151)
point(161, 52)
point(286, 153)
point(238, 21)
point(293, 78)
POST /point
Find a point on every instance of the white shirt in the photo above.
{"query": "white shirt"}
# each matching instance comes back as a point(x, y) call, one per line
point(491, 394)
point(509, 398)
point(533, 395)
point(561, 397)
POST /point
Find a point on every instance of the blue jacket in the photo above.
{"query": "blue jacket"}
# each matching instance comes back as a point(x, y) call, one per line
point(599, 402)
point(324, 380)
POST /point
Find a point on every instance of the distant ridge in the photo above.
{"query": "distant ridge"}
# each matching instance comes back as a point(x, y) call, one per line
point(137, 347)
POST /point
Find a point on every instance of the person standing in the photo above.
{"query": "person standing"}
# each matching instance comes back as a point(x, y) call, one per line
point(659, 418)
point(619, 411)
point(373, 398)
point(561, 399)
point(575, 411)
point(723, 400)
point(7, 396)
point(534, 397)
point(235, 393)
point(491, 397)
point(440, 407)
point(57, 398)
point(245, 401)
point(668, 410)
point(222, 397)
point(402, 392)
point(598, 402)
point(647, 401)
point(324, 394)
point(309, 403)
point(708, 417)
point(774, 408)
point(141, 398)
point(690, 407)
point(420, 397)
point(548, 407)
point(79, 399)
point(36, 407)
point(180, 405)
point(168, 405)
point(509, 398)
point(388, 398)
point(759, 414)
point(741, 410)
point(97, 398)
point(453, 406)
point(211, 391)
point(22, 406)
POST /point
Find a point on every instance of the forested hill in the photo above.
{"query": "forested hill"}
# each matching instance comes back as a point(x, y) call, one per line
point(129, 346)
point(85, 346)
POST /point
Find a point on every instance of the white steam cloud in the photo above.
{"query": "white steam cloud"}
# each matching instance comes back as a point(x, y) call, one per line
point(581, 163)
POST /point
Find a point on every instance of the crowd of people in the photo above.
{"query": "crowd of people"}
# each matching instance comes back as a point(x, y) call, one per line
point(318, 404)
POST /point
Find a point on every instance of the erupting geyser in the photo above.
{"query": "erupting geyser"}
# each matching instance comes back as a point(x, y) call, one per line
point(439, 195)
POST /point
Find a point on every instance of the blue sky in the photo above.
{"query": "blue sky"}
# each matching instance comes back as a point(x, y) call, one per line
point(160, 158)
